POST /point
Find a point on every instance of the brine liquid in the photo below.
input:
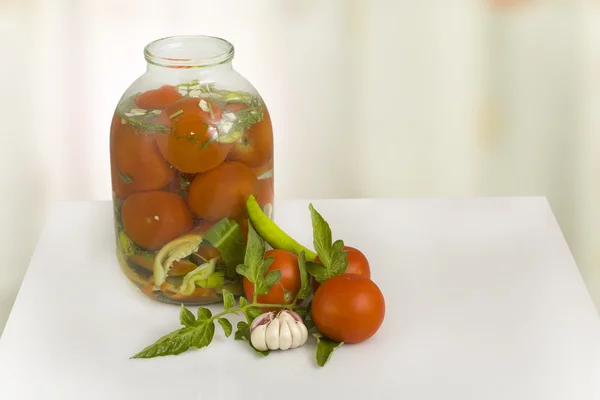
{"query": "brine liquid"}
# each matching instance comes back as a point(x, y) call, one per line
point(183, 158)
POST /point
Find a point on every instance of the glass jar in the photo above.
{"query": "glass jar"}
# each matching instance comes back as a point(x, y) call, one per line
point(190, 141)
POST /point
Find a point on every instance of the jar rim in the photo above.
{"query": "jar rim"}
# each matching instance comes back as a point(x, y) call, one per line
point(189, 51)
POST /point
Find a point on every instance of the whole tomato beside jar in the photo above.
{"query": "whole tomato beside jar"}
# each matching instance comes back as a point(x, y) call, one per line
point(357, 264)
point(348, 308)
point(285, 290)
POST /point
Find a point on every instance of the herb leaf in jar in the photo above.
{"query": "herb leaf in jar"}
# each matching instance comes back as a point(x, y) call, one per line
point(226, 235)
point(139, 118)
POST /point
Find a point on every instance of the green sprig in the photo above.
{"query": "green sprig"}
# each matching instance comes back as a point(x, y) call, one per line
point(331, 255)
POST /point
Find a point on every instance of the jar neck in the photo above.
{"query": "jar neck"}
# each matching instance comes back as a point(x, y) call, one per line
point(193, 55)
point(195, 72)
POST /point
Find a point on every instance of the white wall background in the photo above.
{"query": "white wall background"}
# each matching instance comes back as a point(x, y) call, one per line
point(369, 98)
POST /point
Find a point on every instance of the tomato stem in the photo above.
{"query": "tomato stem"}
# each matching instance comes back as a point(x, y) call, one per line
point(253, 304)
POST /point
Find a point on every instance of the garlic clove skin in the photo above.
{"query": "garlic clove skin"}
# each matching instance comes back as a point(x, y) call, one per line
point(263, 319)
point(296, 333)
point(272, 335)
point(285, 335)
point(289, 315)
point(304, 337)
point(258, 338)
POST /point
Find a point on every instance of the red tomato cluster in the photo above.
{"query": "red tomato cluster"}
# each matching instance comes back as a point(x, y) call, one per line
point(220, 176)
point(178, 178)
point(347, 308)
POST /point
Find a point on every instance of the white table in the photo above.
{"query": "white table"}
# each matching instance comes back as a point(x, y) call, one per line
point(484, 301)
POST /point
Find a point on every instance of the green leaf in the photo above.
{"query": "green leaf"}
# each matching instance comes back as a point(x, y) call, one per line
point(254, 257)
point(321, 235)
point(243, 301)
point(124, 177)
point(203, 335)
point(243, 331)
point(172, 344)
point(264, 286)
point(255, 265)
point(180, 340)
point(331, 255)
point(226, 325)
point(176, 113)
point(210, 110)
point(305, 289)
point(308, 321)
point(325, 348)
point(228, 299)
point(226, 235)
point(186, 317)
point(252, 312)
point(272, 277)
point(337, 246)
point(317, 270)
point(204, 314)
point(262, 353)
point(205, 144)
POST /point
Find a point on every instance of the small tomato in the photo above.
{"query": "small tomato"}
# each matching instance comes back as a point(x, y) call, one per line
point(285, 290)
point(357, 264)
point(348, 308)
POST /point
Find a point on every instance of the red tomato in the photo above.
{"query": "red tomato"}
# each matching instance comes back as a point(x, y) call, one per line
point(190, 146)
point(256, 146)
point(158, 98)
point(152, 219)
point(348, 308)
point(357, 264)
point(285, 290)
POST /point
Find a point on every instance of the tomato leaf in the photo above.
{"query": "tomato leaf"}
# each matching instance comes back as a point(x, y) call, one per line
point(317, 270)
point(204, 314)
point(243, 333)
point(255, 265)
point(325, 348)
point(186, 317)
point(270, 279)
point(331, 255)
point(304, 292)
point(203, 334)
point(251, 313)
point(228, 300)
point(226, 325)
point(226, 235)
point(321, 235)
point(308, 321)
point(255, 253)
point(180, 340)
point(243, 301)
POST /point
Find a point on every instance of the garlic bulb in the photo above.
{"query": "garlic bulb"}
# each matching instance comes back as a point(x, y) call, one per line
point(278, 332)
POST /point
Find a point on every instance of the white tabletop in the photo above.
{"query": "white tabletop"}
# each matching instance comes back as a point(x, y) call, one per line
point(484, 301)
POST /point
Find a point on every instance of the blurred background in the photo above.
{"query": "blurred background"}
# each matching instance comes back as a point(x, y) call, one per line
point(369, 98)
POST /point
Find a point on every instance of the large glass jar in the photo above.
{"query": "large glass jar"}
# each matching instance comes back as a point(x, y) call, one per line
point(190, 141)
